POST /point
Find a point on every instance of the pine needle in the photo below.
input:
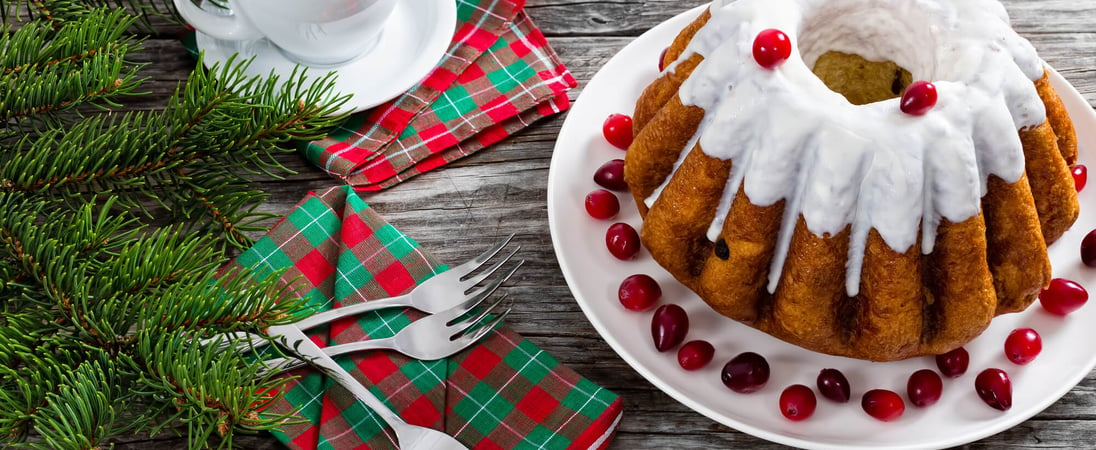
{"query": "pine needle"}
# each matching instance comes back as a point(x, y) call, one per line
point(115, 224)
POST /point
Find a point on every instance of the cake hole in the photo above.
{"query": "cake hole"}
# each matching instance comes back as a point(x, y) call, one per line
point(859, 80)
point(866, 52)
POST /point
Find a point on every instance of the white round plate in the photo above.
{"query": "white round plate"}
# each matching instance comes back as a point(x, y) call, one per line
point(417, 36)
point(959, 417)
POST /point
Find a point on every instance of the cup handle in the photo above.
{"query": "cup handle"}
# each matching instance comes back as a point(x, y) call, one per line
point(230, 28)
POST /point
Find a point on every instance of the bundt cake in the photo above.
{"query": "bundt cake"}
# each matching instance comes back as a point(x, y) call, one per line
point(803, 197)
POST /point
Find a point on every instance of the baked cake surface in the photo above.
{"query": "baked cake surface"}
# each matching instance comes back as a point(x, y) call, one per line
point(802, 201)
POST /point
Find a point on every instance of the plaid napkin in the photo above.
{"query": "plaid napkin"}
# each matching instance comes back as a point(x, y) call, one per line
point(504, 392)
point(498, 76)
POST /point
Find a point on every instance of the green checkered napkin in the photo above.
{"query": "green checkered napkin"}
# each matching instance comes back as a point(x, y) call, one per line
point(499, 76)
point(504, 392)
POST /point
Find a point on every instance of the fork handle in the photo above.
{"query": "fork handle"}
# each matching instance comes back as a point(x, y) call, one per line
point(282, 364)
point(323, 317)
point(320, 318)
point(299, 343)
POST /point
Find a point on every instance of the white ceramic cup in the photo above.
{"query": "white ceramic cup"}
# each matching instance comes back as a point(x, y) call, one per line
point(316, 32)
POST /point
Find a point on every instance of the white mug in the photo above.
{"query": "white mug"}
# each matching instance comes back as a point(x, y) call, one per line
point(317, 32)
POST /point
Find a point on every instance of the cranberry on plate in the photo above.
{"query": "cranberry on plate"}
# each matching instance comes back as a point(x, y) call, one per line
point(622, 241)
point(883, 405)
point(833, 385)
point(695, 355)
point(1022, 345)
point(924, 388)
point(994, 387)
point(617, 129)
point(954, 363)
point(602, 204)
point(746, 373)
point(797, 402)
point(1064, 296)
point(1080, 176)
point(639, 292)
point(669, 325)
point(611, 176)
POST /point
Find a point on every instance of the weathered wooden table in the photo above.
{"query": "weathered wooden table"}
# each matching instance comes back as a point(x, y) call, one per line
point(501, 190)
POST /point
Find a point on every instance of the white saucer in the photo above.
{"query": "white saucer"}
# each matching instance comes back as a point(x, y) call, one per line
point(417, 36)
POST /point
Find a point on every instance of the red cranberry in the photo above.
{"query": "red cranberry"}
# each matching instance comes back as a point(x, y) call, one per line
point(746, 373)
point(602, 204)
point(1022, 345)
point(618, 130)
point(771, 48)
point(954, 363)
point(1088, 249)
point(883, 404)
point(833, 385)
point(1063, 296)
point(924, 388)
point(622, 240)
point(639, 292)
point(1080, 176)
point(694, 355)
point(611, 176)
point(919, 98)
point(669, 326)
point(994, 388)
point(797, 402)
point(662, 59)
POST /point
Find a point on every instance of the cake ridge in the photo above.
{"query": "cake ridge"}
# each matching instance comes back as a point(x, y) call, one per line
point(748, 109)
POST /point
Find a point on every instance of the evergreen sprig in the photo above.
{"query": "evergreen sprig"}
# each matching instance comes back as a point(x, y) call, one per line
point(218, 128)
point(60, 11)
point(114, 226)
point(49, 70)
point(107, 304)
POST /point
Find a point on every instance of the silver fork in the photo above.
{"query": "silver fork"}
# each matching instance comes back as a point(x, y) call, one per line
point(408, 436)
point(439, 293)
point(432, 337)
point(435, 294)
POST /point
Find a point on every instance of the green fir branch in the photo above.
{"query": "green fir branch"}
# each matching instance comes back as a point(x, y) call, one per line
point(114, 226)
point(229, 201)
point(144, 300)
point(81, 63)
point(130, 153)
point(84, 410)
point(59, 12)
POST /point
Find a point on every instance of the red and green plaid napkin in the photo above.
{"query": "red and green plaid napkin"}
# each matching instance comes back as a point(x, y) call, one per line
point(498, 76)
point(504, 392)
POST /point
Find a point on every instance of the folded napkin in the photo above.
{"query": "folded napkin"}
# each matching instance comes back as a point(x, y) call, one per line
point(503, 392)
point(498, 76)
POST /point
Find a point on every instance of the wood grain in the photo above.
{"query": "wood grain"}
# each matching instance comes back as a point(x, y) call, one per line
point(502, 190)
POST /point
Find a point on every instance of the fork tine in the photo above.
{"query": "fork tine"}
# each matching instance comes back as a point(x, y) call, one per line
point(468, 339)
point(465, 324)
point(463, 307)
point(475, 263)
point(488, 289)
point(474, 280)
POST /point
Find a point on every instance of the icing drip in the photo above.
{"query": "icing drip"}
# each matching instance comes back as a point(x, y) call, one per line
point(842, 166)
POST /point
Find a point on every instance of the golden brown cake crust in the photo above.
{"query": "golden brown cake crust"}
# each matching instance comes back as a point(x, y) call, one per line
point(1059, 119)
point(1016, 251)
point(1050, 180)
point(908, 304)
point(660, 92)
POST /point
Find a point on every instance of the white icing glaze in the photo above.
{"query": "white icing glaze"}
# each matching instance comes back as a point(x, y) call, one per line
point(870, 166)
